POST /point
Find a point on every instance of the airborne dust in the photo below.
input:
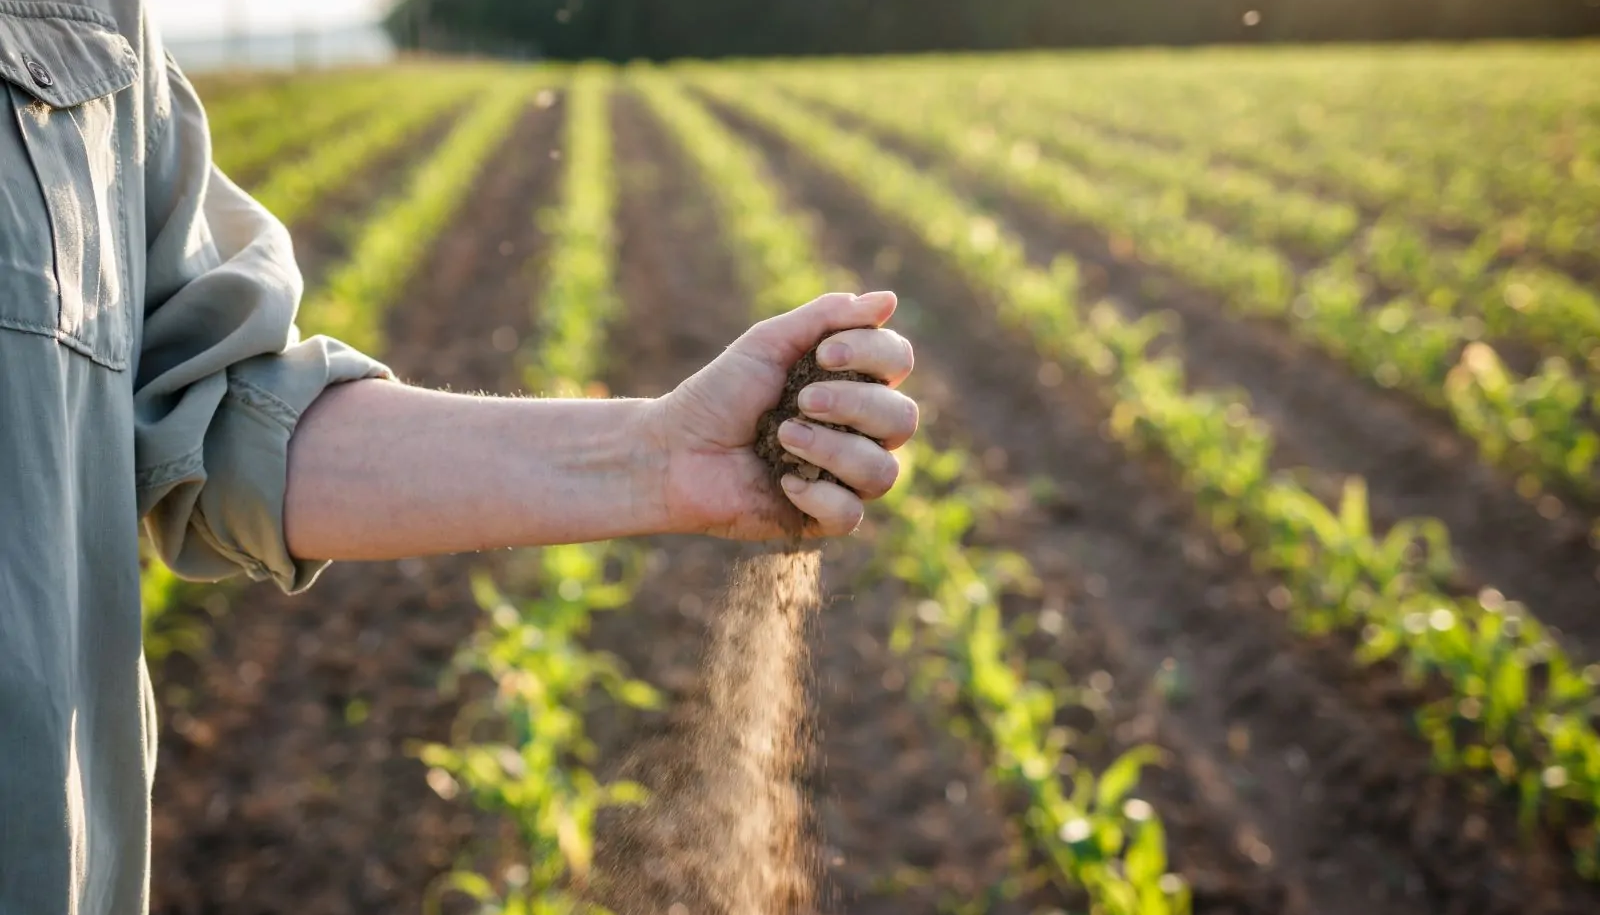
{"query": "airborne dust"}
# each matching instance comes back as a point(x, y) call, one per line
point(726, 830)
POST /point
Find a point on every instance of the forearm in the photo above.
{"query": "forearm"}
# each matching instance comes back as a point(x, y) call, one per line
point(379, 470)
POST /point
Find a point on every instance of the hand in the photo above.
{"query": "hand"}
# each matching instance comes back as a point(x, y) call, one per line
point(713, 482)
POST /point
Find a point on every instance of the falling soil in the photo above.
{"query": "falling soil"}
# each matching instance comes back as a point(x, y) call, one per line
point(727, 829)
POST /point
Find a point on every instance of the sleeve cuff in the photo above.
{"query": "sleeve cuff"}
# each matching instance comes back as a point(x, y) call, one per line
point(247, 454)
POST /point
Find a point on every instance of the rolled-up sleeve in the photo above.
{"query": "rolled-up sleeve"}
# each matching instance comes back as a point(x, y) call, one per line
point(223, 376)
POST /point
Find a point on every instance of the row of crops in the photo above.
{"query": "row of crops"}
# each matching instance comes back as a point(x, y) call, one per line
point(1447, 258)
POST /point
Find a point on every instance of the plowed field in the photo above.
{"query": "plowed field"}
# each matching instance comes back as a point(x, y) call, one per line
point(1324, 746)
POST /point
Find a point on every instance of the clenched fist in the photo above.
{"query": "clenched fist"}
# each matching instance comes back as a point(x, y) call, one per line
point(714, 483)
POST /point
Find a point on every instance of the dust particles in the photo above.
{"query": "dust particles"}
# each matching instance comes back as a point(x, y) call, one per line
point(726, 830)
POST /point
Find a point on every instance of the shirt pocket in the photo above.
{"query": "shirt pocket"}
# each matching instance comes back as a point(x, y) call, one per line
point(63, 268)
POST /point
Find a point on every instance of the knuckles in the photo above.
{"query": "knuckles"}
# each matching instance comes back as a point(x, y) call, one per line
point(833, 301)
point(861, 405)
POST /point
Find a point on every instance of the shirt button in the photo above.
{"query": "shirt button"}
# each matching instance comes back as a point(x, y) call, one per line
point(39, 73)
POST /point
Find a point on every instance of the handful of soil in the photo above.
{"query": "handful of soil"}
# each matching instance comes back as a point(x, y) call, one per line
point(771, 451)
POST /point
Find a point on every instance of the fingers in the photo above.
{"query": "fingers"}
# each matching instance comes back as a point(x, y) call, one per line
point(858, 462)
point(782, 340)
point(871, 409)
point(876, 351)
point(834, 510)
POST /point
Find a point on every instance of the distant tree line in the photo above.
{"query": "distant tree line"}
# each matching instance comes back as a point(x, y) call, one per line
point(664, 29)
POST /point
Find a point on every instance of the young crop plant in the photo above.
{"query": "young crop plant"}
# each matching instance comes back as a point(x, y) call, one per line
point(579, 299)
point(1535, 424)
point(522, 752)
point(1093, 841)
point(1538, 742)
point(385, 256)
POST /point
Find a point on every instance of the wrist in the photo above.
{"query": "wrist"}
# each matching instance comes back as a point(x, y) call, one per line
point(649, 447)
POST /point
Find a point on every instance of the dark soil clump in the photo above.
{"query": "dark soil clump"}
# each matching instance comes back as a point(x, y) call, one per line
point(771, 451)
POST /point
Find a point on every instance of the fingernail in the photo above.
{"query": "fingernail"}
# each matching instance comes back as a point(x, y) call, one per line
point(796, 434)
point(816, 400)
point(793, 485)
point(833, 354)
point(873, 298)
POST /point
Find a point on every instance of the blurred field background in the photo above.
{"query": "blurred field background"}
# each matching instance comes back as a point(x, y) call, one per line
point(1247, 562)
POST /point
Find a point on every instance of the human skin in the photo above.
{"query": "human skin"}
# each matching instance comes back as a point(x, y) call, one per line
point(383, 470)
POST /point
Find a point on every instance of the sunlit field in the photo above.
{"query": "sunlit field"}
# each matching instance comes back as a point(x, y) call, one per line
point(1246, 562)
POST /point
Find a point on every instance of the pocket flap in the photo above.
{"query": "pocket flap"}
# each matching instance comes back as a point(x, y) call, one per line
point(63, 54)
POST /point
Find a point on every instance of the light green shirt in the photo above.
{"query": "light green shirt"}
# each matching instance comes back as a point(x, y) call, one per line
point(149, 367)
